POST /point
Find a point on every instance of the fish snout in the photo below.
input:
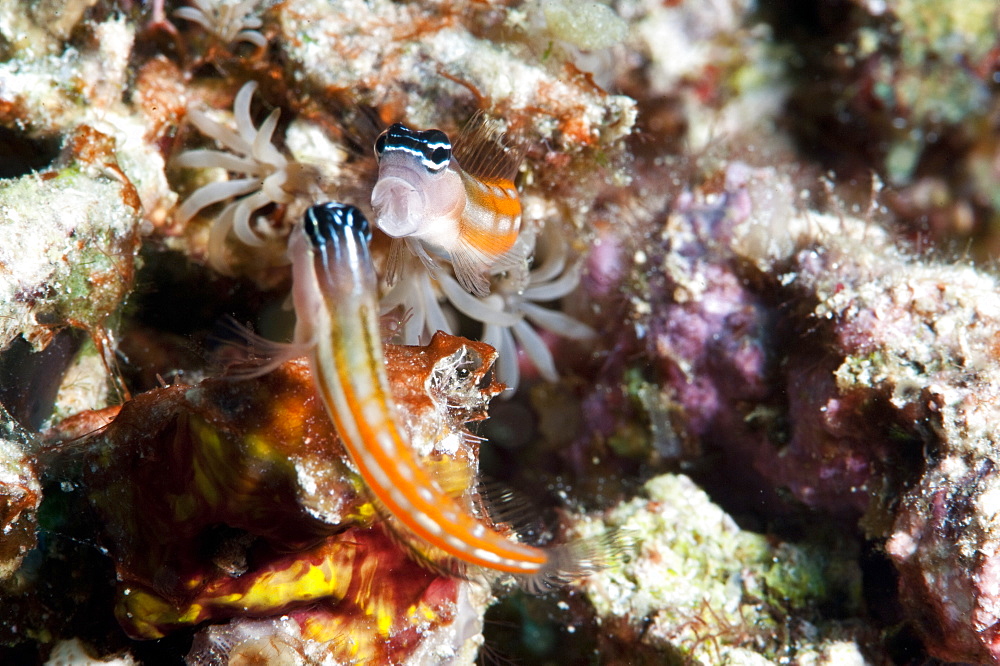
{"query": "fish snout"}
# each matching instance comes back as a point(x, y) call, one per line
point(398, 206)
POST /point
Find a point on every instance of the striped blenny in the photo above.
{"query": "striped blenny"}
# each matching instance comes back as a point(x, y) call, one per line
point(461, 204)
point(336, 307)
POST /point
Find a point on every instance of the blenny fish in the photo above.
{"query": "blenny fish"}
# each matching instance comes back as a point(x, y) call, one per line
point(459, 203)
point(336, 306)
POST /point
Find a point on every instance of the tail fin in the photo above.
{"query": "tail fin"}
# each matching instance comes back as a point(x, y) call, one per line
point(571, 562)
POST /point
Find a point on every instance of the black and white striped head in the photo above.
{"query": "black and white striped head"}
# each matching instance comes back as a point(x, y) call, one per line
point(329, 222)
point(431, 148)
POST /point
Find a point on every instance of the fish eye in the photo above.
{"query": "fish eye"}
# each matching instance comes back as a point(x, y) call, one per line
point(380, 144)
point(440, 158)
point(436, 149)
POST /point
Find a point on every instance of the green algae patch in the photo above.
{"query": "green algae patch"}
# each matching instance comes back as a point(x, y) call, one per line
point(701, 588)
point(585, 25)
point(68, 242)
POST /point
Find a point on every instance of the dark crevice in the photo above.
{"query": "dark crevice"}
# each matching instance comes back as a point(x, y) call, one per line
point(22, 155)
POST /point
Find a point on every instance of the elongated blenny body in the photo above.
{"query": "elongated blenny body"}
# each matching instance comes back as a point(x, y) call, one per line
point(334, 291)
point(460, 203)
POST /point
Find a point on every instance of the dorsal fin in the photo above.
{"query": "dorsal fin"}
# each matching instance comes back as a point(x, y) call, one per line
point(485, 151)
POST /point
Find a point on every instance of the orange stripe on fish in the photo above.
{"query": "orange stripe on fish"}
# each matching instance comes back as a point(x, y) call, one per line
point(334, 291)
point(490, 223)
point(499, 198)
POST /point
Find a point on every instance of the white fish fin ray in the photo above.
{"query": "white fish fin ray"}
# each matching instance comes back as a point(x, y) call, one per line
point(470, 268)
point(395, 263)
point(503, 505)
point(418, 250)
point(514, 260)
point(571, 562)
point(245, 355)
point(485, 151)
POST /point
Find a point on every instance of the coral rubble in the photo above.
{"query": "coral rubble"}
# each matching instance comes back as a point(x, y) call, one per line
point(70, 239)
point(887, 391)
point(713, 593)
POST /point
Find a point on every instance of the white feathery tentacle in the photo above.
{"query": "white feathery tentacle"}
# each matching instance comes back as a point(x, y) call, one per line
point(213, 193)
point(260, 175)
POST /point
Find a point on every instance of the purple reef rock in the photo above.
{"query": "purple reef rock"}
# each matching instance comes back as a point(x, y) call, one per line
point(808, 357)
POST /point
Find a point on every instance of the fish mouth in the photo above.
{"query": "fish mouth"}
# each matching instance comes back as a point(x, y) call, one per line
point(398, 207)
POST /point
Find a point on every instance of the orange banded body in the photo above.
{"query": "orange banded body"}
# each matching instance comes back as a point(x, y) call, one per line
point(337, 311)
point(492, 215)
point(461, 203)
